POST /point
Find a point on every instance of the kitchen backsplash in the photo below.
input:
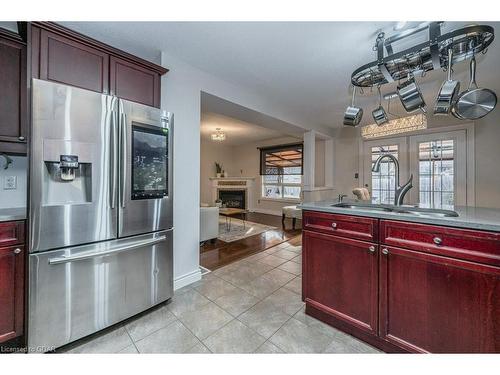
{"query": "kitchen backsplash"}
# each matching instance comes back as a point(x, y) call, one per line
point(13, 182)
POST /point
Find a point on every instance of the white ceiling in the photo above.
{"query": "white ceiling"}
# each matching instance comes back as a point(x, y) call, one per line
point(306, 66)
point(237, 132)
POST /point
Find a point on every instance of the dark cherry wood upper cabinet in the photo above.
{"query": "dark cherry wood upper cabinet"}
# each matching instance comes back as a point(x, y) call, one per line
point(431, 303)
point(341, 278)
point(11, 292)
point(67, 61)
point(133, 82)
point(63, 55)
point(13, 118)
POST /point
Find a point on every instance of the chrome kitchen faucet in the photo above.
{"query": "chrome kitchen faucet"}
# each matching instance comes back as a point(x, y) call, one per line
point(399, 191)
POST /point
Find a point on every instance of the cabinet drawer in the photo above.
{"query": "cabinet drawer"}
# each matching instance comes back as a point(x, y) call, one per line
point(362, 228)
point(479, 246)
point(11, 233)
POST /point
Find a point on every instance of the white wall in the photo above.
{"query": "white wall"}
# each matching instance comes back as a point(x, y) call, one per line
point(346, 162)
point(181, 88)
point(211, 152)
point(239, 161)
point(18, 168)
point(247, 163)
point(487, 157)
point(319, 163)
point(487, 146)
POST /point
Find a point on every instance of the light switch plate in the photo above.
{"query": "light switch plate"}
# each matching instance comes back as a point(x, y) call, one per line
point(10, 183)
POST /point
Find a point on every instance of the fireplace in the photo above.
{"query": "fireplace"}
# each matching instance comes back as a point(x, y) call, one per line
point(233, 198)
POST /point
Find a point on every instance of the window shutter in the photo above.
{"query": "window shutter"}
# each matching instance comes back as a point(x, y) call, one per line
point(281, 160)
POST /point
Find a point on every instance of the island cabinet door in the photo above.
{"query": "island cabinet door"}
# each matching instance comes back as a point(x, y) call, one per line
point(341, 278)
point(436, 304)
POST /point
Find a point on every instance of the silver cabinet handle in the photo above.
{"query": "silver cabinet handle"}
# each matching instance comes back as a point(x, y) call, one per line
point(334, 225)
point(17, 251)
point(21, 138)
point(437, 240)
point(88, 255)
point(385, 251)
point(371, 249)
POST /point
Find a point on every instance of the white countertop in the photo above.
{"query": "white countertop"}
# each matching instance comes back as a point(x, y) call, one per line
point(481, 218)
point(12, 214)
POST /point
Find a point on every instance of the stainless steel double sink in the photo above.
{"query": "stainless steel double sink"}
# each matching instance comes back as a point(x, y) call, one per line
point(410, 210)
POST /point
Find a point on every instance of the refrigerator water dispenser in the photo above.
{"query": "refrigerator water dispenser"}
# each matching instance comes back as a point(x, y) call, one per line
point(68, 172)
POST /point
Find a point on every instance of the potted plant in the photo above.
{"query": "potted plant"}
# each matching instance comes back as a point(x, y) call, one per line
point(218, 169)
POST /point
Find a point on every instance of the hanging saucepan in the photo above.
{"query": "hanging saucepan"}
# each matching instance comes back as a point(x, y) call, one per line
point(353, 114)
point(448, 93)
point(378, 113)
point(474, 102)
point(410, 95)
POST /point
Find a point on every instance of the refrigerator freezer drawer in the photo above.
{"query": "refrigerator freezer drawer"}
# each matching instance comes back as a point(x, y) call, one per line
point(77, 291)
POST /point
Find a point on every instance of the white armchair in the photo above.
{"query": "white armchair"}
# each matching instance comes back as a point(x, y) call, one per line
point(209, 223)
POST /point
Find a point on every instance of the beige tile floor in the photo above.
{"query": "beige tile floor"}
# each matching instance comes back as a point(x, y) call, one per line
point(251, 306)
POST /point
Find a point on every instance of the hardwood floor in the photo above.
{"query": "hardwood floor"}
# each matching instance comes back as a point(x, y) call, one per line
point(220, 253)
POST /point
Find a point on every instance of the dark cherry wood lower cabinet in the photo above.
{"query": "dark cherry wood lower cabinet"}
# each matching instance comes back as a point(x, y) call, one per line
point(430, 303)
point(425, 299)
point(341, 278)
point(11, 292)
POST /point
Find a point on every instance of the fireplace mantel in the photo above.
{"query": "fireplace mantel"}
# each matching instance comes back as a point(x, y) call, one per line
point(234, 183)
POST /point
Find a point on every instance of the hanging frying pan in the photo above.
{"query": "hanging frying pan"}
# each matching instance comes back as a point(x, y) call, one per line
point(475, 102)
point(448, 93)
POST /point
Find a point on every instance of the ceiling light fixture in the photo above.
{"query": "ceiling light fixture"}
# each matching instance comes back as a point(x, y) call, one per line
point(219, 135)
point(396, 126)
point(400, 25)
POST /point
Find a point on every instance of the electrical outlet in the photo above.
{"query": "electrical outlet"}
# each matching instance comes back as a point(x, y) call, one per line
point(10, 183)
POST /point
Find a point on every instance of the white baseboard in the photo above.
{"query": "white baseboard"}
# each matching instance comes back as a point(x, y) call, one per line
point(269, 212)
point(187, 279)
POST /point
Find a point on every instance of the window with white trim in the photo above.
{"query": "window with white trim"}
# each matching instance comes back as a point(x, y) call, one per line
point(281, 171)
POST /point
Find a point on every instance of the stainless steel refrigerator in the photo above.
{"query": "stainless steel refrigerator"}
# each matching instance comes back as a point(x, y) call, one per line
point(100, 212)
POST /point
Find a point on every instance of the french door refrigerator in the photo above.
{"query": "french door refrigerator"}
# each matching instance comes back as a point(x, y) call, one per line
point(100, 212)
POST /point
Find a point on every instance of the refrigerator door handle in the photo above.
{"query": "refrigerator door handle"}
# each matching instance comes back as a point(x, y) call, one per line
point(67, 259)
point(114, 158)
point(123, 158)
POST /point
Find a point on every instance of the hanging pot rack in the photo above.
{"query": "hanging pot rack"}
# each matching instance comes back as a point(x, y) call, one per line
point(421, 58)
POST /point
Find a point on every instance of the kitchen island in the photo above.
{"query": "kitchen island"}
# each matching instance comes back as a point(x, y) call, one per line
point(405, 282)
